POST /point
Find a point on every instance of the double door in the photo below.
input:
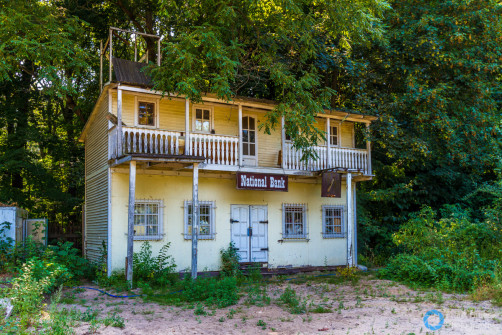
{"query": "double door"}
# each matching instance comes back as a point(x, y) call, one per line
point(250, 232)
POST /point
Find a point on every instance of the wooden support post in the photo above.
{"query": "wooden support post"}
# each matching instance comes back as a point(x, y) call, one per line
point(195, 218)
point(350, 220)
point(100, 66)
point(355, 224)
point(283, 142)
point(111, 55)
point(188, 150)
point(240, 135)
point(135, 47)
point(368, 149)
point(130, 221)
point(119, 123)
point(158, 52)
point(328, 142)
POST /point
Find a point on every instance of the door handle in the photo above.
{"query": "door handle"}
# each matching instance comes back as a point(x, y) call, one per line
point(233, 221)
point(250, 231)
point(264, 221)
point(264, 249)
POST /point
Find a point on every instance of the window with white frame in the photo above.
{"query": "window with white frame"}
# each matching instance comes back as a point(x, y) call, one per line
point(202, 119)
point(334, 135)
point(148, 219)
point(333, 219)
point(146, 113)
point(294, 221)
point(206, 219)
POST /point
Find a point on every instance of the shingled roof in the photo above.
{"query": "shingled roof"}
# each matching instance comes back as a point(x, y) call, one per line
point(129, 72)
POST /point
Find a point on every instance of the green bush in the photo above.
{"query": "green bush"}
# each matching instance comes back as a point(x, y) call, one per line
point(451, 253)
point(230, 261)
point(158, 270)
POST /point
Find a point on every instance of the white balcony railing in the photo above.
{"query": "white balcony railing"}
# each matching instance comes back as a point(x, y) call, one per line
point(218, 149)
point(224, 150)
point(347, 158)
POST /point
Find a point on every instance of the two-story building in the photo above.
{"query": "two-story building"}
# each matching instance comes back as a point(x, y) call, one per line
point(253, 189)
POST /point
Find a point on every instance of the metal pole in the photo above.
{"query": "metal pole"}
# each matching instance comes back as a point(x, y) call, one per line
point(195, 218)
point(130, 221)
point(350, 219)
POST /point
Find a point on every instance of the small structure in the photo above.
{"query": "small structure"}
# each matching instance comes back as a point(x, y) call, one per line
point(200, 176)
point(16, 227)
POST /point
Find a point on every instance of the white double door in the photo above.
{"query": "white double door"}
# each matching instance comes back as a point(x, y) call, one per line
point(250, 232)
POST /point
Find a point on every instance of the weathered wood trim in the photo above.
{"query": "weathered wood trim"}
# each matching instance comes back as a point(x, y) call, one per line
point(195, 218)
point(130, 221)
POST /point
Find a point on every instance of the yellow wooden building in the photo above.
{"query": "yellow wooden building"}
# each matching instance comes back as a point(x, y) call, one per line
point(149, 157)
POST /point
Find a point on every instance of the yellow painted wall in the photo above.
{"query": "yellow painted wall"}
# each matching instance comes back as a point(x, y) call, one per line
point(173, 190)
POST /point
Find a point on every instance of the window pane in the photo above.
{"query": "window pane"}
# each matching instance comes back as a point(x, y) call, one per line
point(245, 149)
point(251, 150)
point(198, 125)
point(139, 230)
point(198, 113)
point(252, 136)
point(146, 113)
point(205, 126)
point(245, 122)
point(251, 123)
point(206, 114)
point(245, 137)
point(139, 208)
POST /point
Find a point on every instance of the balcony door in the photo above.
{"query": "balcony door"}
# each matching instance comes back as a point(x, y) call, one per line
point(249, 143)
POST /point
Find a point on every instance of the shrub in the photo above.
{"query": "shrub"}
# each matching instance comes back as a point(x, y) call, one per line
point(230, 261)
point(158, 270)
point(451, 253)
point(293, 302)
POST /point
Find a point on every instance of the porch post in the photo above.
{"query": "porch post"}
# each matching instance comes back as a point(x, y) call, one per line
point(355, 224)
point(119, 123)
point(368, 149)
point(240, 135)
point(130, 221)
point(188, 150)
point(195, 218)
point(111, 55)
point(350, 220)
point(283, 143)
point(328, 141)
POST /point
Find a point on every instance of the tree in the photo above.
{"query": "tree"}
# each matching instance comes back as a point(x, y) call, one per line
point(43, 74)
point(436, 84)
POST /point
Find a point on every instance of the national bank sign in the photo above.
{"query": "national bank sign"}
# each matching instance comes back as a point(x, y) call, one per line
point(262, 181)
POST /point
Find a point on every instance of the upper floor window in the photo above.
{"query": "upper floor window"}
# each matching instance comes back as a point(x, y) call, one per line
point(146, 112)
point(334, 135)
point(203, 119)
point(148, 220)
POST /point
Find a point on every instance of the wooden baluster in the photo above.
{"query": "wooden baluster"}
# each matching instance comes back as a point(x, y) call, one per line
point(231, 144)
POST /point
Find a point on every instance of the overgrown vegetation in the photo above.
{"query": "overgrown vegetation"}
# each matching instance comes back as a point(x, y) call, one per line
point(452, 252)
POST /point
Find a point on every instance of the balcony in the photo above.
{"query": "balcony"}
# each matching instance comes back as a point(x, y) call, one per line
point(223, 150)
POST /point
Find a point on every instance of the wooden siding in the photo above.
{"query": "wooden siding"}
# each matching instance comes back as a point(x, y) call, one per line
point(96, 183)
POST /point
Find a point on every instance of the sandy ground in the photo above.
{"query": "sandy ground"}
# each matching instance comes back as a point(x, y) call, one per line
point(369, 307)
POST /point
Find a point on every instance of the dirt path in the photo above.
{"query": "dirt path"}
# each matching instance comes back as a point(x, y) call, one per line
point(368, 307)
